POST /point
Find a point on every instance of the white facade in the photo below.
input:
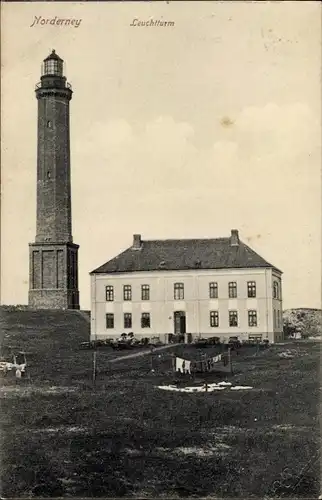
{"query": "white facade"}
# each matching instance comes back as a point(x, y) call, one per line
point(259, 314)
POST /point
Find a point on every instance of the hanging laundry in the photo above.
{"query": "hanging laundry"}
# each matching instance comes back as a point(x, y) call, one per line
point(180, 364)
point(217, 358)
point(187, 367)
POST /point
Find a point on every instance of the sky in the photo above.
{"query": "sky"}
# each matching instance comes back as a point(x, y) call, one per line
point(184, 131)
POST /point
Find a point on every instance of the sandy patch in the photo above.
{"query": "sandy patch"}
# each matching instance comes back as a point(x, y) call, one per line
point(290, 427)
point(198, 451)
point(220, 386)
point(63, 429)
point(291, 353)
point(29, 390)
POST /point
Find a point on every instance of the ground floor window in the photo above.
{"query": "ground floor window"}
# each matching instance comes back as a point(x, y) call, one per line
point(109, 320)
point(233, 318)
point(214, 318)
point(127, 320)
point(256, 338)
point(145, 320)
point(252, 318)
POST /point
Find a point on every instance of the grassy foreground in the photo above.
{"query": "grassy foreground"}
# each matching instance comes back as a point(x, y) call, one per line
point(125, 437)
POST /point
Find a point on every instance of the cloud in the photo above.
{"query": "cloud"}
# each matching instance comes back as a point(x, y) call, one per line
point(267, 146)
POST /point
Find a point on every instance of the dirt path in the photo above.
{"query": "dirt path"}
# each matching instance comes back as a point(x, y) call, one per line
point(144, 353)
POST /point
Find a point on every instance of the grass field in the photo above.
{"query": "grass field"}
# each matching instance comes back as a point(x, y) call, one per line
point(62, 436)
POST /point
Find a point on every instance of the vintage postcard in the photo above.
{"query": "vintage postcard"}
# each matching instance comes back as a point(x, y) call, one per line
point(160, 249)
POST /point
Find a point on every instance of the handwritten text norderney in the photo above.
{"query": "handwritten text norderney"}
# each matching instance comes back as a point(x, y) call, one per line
point(55, 21)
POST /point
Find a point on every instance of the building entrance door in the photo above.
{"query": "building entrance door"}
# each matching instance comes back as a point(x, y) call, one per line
point(180, 324)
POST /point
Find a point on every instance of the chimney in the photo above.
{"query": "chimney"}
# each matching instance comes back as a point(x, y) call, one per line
point(234, 239)
point(137, 241)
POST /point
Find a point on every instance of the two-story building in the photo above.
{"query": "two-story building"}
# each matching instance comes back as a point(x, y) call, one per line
point(187, 287)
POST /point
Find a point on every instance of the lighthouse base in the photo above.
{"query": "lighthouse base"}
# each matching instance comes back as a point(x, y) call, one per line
point(53, 277)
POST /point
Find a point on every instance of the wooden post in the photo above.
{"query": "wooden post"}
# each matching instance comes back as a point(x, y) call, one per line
point(151, 359)
point(206, 384)
point(230, 360)
point(173, 363)
point(94, 367)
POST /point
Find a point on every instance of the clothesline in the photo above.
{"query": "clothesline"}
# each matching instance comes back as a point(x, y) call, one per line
point(185, 366)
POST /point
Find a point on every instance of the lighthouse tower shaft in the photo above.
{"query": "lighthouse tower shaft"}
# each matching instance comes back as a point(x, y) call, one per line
point(53, 280)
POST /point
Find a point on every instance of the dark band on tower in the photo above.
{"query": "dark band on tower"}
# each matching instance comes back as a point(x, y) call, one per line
point(53, 280)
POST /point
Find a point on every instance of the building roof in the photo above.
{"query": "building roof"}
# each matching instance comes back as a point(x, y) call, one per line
point(54, 56)
point(184, 254)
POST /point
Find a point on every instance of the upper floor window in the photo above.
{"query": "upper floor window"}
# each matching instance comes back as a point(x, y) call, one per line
point(109, 320)
point(233, 318)
point(214, 318)
point(251, 289)
point(127, 320)
point(127, 292)
point(178, 291)
point(232, 289)
point(109, 293)
point(145, 292)
point(276, 290)
point(145, 320)
point(213, 290)
point(252, 318)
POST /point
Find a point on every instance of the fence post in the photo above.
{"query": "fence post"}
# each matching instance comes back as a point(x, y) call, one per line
point(152, 358)
point(173, 363)
point(230, 360)
point(94, 367)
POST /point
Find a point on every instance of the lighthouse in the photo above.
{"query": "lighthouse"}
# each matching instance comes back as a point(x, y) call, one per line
point(53, 257)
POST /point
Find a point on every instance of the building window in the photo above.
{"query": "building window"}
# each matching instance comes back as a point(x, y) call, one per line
point(252, 318)
point(213, 290)
point(109, 293)
point(127, 320)
point(49, 125)
point(274, 318)
point(232, 289)
point(178, 291)
point(233, 318)
point(127, 292)
point(145, 292)
point(145, 320)
point(110, 320)
point(214, 318)
point(251, 289)
point(275, 290)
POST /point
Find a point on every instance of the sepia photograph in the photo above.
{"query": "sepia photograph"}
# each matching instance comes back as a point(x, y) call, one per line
point(160, 317)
